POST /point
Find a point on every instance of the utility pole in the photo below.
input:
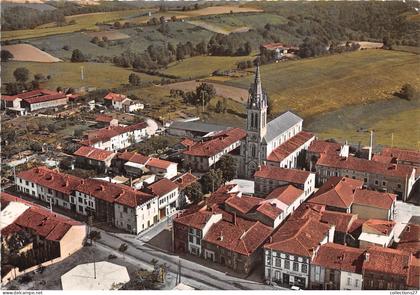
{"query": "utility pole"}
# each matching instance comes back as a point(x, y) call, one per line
point(392, 139)
point(82, 74)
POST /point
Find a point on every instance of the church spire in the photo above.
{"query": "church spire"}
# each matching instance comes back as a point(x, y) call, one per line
point(257, 96)
point(257, 82)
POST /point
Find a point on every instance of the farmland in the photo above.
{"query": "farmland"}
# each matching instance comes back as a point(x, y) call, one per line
point(26, 52)
point(83, 22)
point(317, 85)
point(395, 116)
point(203, 66)
point(237, 94)
point(140, 39)
point(66, 74)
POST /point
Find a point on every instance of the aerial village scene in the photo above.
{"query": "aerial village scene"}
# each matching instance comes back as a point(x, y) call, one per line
point(210, 145)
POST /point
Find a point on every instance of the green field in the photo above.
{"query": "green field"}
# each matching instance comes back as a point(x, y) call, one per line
point(395, 116)
point(316, 85)
point(251, 20)
point(67, 74)
point(202, 66)
point(83, 22)
point(140, 39)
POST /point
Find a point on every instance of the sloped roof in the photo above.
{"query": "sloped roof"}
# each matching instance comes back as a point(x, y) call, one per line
point(340, 257)
point(402, 154)
point(387, 260)
point(287, 194)
point(322, 146)
point(93, 153)
point(409, 239)
point(243, 204)
point(282, 174)
point(162, 187)
point(376, 199)
point(289, 146)
point(337, 192)
point(299, 237)
point(280, 125)
point(342, 221)
point(185, 180)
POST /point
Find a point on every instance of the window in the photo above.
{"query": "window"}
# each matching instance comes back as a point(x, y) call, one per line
point(295, 266)
point(304, 268)
point(191, 239)
point(278, 262)
point(27, 183)
point(376, 182)
point(365, 179)
point(198, 241)
point(80, 200)
point(287, 264)
point(356, 283)
point(348, 281)
point(384, 183)
point(399, 185)
point(125, 209)
point(32, 184)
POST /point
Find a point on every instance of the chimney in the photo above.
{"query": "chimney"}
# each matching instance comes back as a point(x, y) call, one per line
point(370, 145)
point(367, 256)
point(408, 229)
point(221, 235)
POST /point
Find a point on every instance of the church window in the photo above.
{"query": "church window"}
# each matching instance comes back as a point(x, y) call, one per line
point(256, 121)
point(253, 151)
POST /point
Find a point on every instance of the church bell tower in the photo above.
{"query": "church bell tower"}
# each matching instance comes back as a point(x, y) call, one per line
point(257, 107)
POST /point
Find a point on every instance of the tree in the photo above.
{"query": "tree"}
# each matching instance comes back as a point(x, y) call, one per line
point(134, 79)
point(193, 192)
point(227, 165)
point(77, 56)
point(21, 75)
point(407, 91)
point(6, 55)
point(211, 180)
point(36, 146)
point(39, 77)
point(205, 92)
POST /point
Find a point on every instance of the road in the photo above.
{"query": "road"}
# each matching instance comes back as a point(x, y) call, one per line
point(193, 274)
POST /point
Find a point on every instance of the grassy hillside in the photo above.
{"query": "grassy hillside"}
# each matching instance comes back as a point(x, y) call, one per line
point(140, 39)
point(200, 66)
point(318, 85)
point(83, 22)
point(66, 74)
point(384, 117)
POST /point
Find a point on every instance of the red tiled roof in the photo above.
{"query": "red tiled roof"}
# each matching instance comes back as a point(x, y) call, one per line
point(364, 165)
point(326, 147)
point(270, 210)
point(93, 153)
point(387, 260)
point(158, 163)
point(115, 96)
point(44, 98)
point(243, 204)
point(376, 199)
point(44, 223)
point(289, 146)
point(382, 159)
point(52, 179)
point(243, 237)
point(217, 143)
point(162, 187)
point(381, 227)
point(340, 257)
point(342, 221)
point(337, 192)
point(34, 93)
point(282, 174)
point(308, 210)
point(112, 192)
point(104, 118)
point(185, 180)
point(402, 154)
point(105, 134)
point(196, 220)
point(10, 229)
point(287, 194)
point(299, 237)
point(8, 97)
point(409, 239)
point(187, 142)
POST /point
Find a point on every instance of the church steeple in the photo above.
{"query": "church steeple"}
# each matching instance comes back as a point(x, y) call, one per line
point(257, 106)
point(257, 97)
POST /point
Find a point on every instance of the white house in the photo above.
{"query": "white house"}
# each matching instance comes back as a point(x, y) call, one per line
point(123, 103)
point(293, 246)
point(267, 178)
point(168, 196)
point(114, 138)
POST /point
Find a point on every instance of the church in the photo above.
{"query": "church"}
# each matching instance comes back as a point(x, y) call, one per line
point(277, 143)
